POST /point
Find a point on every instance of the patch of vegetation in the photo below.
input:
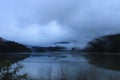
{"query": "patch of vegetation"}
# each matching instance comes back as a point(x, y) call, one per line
point(11, 73)
point(11, 46)
point(46, 49)
point(109, 44)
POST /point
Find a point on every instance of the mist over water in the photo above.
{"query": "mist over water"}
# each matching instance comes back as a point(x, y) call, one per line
point(37, 22)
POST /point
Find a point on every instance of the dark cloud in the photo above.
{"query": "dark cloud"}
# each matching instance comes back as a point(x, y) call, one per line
point(37, 22)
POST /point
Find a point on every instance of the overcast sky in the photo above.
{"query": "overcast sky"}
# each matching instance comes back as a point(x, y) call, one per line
point(37, 22)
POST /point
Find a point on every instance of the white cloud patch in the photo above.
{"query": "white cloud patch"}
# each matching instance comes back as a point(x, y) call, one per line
point(36, 34)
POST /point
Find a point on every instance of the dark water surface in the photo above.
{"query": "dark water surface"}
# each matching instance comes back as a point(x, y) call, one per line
point(70, 66)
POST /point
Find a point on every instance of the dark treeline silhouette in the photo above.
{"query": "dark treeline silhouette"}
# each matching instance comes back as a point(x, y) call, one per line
point(14, 47)
point(109, 44)
point(11, 46)
point(46, 49)
point(64, 42)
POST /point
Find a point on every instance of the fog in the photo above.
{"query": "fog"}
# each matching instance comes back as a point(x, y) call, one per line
point(37, 22)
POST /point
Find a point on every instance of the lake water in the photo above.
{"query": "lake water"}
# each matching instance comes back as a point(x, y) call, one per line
point(71, 66)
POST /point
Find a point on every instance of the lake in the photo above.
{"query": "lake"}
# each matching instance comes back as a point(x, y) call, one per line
point(71, 66)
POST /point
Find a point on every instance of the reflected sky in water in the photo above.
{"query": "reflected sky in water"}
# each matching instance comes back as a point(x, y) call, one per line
point(72, 65)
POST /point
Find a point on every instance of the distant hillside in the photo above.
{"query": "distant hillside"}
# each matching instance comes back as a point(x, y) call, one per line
point(11, 47)
point(64, 42)
point(109, 43)
point(47, 49)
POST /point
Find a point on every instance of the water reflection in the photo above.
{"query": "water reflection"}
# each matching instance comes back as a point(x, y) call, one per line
point(71, 67)
point(107, 61)
point(64, 66)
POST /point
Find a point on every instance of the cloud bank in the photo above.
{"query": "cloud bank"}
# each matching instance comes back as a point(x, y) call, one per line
point(37, 22)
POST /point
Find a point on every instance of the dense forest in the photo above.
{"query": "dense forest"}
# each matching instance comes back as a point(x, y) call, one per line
point(109, 43)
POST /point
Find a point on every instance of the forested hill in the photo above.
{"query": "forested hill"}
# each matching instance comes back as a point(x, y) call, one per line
point(109, 43)
point(12, 47)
